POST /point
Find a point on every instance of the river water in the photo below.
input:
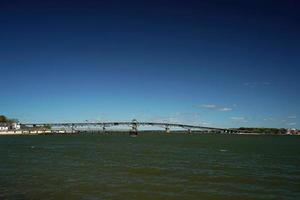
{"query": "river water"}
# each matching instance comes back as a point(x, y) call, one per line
point(150, 166)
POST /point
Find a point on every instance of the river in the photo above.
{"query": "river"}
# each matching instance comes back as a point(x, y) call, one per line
point(150, 166)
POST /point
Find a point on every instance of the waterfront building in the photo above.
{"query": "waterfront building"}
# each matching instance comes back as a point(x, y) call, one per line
point(16, 126)
point(7, 127)
point(292, 131)
point(4, 127)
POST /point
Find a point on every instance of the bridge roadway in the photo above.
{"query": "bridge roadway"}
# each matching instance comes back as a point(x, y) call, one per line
point(133, 124)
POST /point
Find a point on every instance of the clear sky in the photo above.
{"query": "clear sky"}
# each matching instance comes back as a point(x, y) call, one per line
point(214, 62)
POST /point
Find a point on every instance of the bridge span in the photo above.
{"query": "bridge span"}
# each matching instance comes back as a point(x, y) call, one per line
point(133, 126)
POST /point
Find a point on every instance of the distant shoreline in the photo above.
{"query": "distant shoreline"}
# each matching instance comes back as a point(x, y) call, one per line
point(58, 132)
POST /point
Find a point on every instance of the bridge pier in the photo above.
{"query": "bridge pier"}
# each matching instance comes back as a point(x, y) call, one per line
point(167, 129)
point(134, 127)
point(134, 130)
point(72, 128)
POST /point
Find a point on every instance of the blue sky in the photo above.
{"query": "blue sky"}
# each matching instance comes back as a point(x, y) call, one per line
point(215, 63)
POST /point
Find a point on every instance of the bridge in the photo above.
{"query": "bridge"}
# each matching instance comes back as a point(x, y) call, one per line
point(133, 126)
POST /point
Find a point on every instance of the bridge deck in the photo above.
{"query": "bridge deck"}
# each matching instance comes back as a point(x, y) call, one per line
point(109, 124)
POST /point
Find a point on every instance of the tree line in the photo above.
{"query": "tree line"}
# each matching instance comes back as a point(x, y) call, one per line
point(4, 119)
point(262, 130)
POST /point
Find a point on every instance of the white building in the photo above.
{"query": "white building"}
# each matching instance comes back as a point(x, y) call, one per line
point(6, 127)
point(16, 126)
point(3, 127)
point(292, 131)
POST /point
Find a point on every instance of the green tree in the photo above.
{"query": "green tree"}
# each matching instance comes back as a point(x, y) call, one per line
point(3, 119)
point(11, 121)
point(47, 126)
